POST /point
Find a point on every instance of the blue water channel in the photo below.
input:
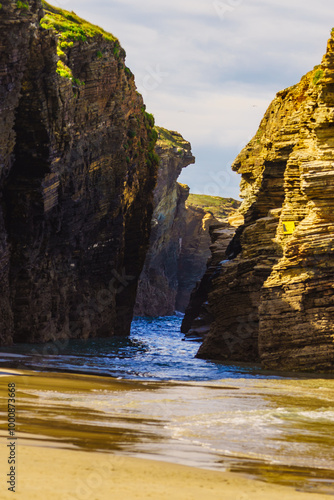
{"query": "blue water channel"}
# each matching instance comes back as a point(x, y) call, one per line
point(156, 350)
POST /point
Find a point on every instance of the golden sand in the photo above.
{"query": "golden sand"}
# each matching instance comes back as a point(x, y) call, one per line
point(56, 460)
point(58, 474)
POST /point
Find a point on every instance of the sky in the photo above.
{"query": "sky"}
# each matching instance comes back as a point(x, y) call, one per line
point(209, 69)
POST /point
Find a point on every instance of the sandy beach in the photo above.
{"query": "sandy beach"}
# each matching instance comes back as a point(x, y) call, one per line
point(56, 444)
point(58, 474)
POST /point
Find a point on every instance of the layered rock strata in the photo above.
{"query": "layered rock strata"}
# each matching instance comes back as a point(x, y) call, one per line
point(180, 239)
point(158, 285)
point(77, 173)
point(207, 233)
point(235, 293)
point(194, 251)
point(198, 315)
point(274, 299)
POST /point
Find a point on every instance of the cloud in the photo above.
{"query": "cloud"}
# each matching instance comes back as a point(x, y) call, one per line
point(210, 68)
point(211, 118)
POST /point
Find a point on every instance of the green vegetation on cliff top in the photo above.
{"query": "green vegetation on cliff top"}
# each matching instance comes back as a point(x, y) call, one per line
point(71, 29)
point(170, 138)
point(70, 26)
point(218, 206)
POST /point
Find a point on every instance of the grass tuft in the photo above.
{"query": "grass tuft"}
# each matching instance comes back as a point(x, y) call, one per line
point(317, 76)
point(22, 5)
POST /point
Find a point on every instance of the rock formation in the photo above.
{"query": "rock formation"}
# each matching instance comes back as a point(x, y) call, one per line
point(198, 316)
point(194, 229)
point(180, 240)
point(205, 222)
point(273, 300)
point(220, 208)
point(77, 173)
point(158, 283)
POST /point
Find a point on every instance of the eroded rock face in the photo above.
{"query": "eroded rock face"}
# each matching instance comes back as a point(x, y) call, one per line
point(158, 285)
point(206, 237)
point(296, 310)
point(274, 299)
point(195, 233)
point(235, 293)
point(180, 237)
point(198, 315)
point(77, 173)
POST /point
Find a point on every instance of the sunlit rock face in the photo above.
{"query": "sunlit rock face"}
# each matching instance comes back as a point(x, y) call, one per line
point(77, 173)
point(273, 300)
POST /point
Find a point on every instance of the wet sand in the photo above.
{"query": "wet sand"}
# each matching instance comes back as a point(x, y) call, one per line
point(58, 474)
point(58, 438)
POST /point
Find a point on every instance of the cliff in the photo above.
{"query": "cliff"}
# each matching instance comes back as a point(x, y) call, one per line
point(217, 236)
point(220, 208)
point(273, 300)
point(77, 173)
point(158, 285)
point(180, 239)
point(194, 251)
point(198, 314)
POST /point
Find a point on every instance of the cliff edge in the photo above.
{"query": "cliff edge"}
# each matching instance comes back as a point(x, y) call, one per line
point(77, 173)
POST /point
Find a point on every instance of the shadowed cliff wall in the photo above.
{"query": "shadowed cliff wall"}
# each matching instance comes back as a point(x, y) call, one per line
point(77, 173)
point(158, 283)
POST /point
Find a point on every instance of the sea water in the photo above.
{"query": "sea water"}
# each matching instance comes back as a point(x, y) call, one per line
point(165, 404)
point(156, 350)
